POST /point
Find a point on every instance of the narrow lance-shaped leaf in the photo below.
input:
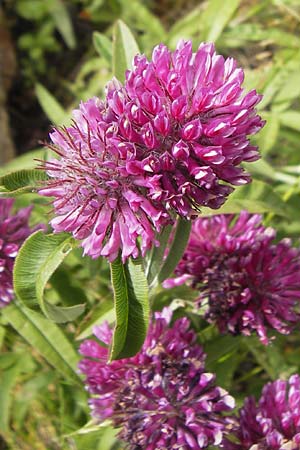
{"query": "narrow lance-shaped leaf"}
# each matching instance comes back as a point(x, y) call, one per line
point(62, 20)
point(21, 182)
point(131, 308)
point(124, 50)
point(37, 259)
point(51, 107)
point(103, 46)
point(157, 254)
point(176, 250)
point(8, 377)
point(45, 337)
point(217, 16)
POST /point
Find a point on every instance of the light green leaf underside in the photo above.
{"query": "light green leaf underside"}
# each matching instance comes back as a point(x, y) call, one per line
point(38, 258)
point(124, 50)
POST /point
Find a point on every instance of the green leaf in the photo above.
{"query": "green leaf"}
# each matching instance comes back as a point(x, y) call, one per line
point(261, 168)
point(51, 107)
point(290, 119)
point(216, 17)
point(290, 91)
point(139, 16)
point(103, 46)
point(45, 337)
point(219, 347)
point(62, 21)
point(26, 161)
point(21, 182)
point(239, 35)
point(103, 312)
point(186, 26)
point(157, 254)
point(256, 197)
point(8, 378)
point(131, 307)
point(177, 248)
point(37, 259)
point(268, 136)
point(279, 79)
point(124, 50)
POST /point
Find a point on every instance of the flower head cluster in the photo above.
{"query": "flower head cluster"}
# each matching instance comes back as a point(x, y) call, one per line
point(247, 282)
point(162, 398)
point(14, 229)
point(167, 142)
point(273, 424)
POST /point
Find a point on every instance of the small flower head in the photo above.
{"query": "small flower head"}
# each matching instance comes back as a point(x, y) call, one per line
point(273, 424)
point(167, 142)
point(14, 229)
point(162, 398)
point(247, 282)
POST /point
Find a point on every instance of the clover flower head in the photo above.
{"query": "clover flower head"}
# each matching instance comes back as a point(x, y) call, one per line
point(162, 398)
point(168, 141)
point(273, 423)
point(14, 229)
point(245, 280)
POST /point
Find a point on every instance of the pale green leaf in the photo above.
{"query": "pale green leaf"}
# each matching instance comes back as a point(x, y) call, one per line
point(62, 20)
point(26, 161)
point(45, 337)
point(51, 107)
point(216, 17)
point(103, 46)
point(38, 258)
point(176, 250)
point(268, 136)
point(124, 50)
point(8, 376)
point(279, 79)
point(186, 26)
point(157, 254)
point(290, 119)
point(104, 312)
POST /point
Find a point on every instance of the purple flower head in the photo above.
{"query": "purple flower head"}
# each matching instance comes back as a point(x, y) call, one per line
point(167, 142)
point(162, 398)
point(246, 282)
point(14, 229)
point(273, 424)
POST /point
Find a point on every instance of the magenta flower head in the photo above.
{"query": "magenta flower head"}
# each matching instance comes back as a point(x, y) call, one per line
point(162, 398)
point(273, 424)
point(14, 229)
point(167, 142)
point(246, 282)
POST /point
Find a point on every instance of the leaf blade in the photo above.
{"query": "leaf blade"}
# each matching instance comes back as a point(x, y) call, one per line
point(177, 248)
point(21, 182)
point(38, 258)
point(124, 49)
point(46, 337)
point(131, 308)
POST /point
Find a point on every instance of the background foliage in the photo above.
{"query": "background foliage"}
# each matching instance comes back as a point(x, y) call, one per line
point(65, 53)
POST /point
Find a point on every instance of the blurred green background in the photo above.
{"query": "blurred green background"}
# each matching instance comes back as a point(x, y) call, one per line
point(56, 53)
